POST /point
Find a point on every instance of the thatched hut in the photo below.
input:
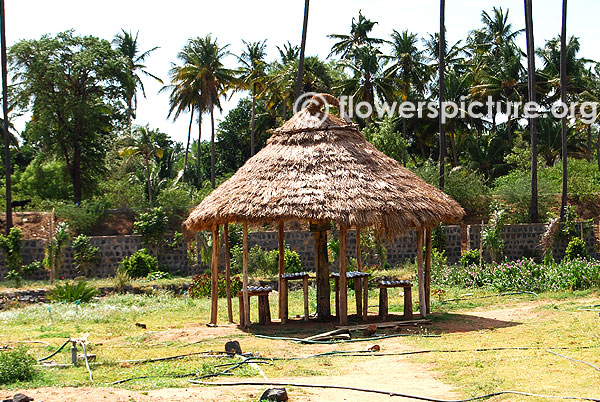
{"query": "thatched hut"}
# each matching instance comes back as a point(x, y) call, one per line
point(320, 169)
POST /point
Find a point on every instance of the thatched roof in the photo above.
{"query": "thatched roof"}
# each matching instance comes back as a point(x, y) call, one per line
point(313, 170)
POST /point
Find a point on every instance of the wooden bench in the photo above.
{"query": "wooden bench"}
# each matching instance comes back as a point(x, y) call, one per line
point(285, 278)
point(383, 297)
point(264, 311)
point(361, 291)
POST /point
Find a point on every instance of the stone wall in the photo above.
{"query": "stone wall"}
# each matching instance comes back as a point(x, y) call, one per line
point(112, 251)
point(520, 240)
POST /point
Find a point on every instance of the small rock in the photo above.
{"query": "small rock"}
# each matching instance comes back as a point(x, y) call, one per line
point(22, 398)
point(274, 394)
point(233, 347)
point(370, 330)
point(140, 325)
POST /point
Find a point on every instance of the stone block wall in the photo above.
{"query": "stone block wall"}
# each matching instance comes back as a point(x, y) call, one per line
point(112, 251)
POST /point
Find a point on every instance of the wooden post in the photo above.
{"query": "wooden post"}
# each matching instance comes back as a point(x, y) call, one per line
point(428, 247)
point(51, 245)
point(365, 306)
point(305, 290)
point(343, 281)
point(358, 259)
point(214, 275)
point(246, 320)
point(322, 270)
point(228, 272)
point(421, 274)
point(283, 310)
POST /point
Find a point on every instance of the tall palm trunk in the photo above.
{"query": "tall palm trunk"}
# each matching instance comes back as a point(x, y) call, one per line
point(509, 130)
point(442, 67)
point(252, 119)
point(563, 98)
point(533, 208)
point(454, 151)
point(187, 146)
point(302, 48)
point(213, 157)
point(404, 135)
point(589, 143)
point(6, 136)
point(147, 161)
point(198, 149)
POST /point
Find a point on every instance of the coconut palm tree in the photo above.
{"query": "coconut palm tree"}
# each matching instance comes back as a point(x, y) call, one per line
point(359, 36)
point(442, 90)
point(302, 50)
point(204, 71)
point(563, 98)
point(144, 143)
point(127, 44)
point(253, 74)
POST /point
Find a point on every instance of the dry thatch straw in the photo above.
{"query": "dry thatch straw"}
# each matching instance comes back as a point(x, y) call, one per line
point(322, 171)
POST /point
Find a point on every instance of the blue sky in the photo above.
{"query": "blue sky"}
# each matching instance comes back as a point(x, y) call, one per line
point(170, 24)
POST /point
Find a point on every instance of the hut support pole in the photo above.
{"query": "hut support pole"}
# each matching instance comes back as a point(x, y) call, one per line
point(246, 319)
point(343, 281)
point(428, 269)
point(421, 274)
point(283, 297)
point(228, 272)
point(365, 286)
point(358, 261)
point(214, 275)
point(322, 270)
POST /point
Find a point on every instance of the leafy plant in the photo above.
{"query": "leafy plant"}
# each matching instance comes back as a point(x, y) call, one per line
point(156, 275)
point(293, 262)
point(85, 255)
point(201, 286)
point(16, 365)
point(33, 267)
point(73, 291)
point(53, 253)
point(576, 249)
point(11, 245)
point(152, 226)
point(139, 264)
point(470, 257)
point(121, 281)
point(83, 217)
point(492, 233)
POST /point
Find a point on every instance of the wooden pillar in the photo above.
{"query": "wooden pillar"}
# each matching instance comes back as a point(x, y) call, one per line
point(421, 273)
point(322, 270)
point(358, 259)
point(214, 275)
point(246, 320)
point(228, 272)
point(343, 281)
point(305, 290)
point(428, 247)
point(283, 305)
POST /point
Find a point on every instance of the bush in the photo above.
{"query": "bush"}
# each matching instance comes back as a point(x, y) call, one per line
point(293, 263)
point(152, 226)
point(11, 246)
point(82, 218)
point(201, 285)
point(470, 257)
point(85, 256)
point(73, 291)
point(575, 249)
point(156, 275)
point(139, 264)
point(264, 263)
point(16, 365)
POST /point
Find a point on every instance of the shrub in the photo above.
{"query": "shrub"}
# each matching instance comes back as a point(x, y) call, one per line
point(152, 226)
point(492, 233)
point(82, 218)
point(293, 263)
point(11, 246)
point(139, 264)
point(73, 291)
point(16, 365)
point(470, 257)
point(264, 263)
point(201, 285)
point(121, 281)
point(156, 275)
point(53, 253)
point(576, 249)
point(85, 256)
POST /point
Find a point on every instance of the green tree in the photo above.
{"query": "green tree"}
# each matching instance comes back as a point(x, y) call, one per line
point(253, 76)
point(75, 88)
point(127, 45)
point(360, 29)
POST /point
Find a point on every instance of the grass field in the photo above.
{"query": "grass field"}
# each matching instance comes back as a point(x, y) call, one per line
point(176, 325)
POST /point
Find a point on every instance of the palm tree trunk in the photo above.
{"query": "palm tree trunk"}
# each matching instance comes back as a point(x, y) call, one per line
point(7, 167)
point(198, 178)
point(302, 48)
point(404, 135)
point(253, 116)
point(187, 146)
point(147, 160)
point(598, 151)
point(509, 131)
point(213, 157)
point(442, 67)
point(533, 208)
point(589, 143)
point(563, 98)
point(454, 152)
